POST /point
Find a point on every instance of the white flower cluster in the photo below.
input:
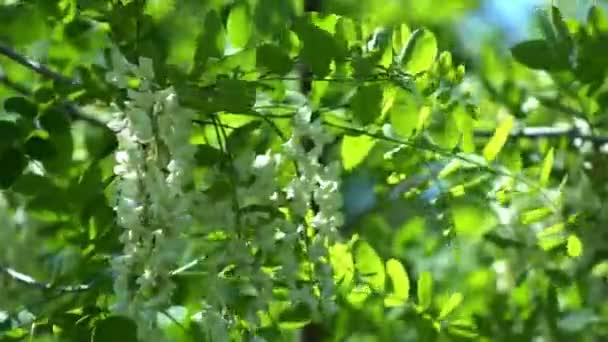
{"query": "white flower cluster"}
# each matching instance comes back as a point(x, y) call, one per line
point(314, 180)
point(319, 183)
point(154, 164)
point(264, 216)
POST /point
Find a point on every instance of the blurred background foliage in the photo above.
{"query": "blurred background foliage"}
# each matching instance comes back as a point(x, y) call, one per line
point(521, 277)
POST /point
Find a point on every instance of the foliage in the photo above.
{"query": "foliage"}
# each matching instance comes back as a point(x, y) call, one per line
point(165, 176)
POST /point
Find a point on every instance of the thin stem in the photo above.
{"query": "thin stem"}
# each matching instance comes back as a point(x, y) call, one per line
point(549, 132)
point(33, 65)
point(30, 281)
point(72, 109)
point(448, 154)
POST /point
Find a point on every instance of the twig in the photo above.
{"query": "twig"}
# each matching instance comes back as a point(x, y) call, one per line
point(550, 132)
point(72, 109)
point(30, 281)
point(33, 65)
point(448, 154)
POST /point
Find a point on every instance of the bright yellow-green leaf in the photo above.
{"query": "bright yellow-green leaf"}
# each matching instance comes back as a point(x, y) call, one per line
point(239, 25)
point(359, 294)
point(546, 169)
point(551, 230)
point(472, 220)
point(400, 282)
point(574, 246)
point(406, 116)
point(499, 139)
point(158, 9)
point(535, 215)
point(420, 51)
point(343, 265)
point(465, 128)
point(425, 290)
point(400, 37)
point(355, 149)
point(451, 304)
point(369, 266)
point(550, 242)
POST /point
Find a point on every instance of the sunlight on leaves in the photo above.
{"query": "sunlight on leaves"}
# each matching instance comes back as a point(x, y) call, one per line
point(369, 266)
point(425, 290)
point(400, 282)
point(498, 140)
point(354, 150)
point(420, 51)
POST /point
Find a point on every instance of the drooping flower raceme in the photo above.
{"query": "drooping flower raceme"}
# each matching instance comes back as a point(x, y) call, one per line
point(318, 183)
point(264, 216)
point(154, 165)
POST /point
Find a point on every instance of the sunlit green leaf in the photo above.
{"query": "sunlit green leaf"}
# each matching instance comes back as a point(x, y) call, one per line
point(498, 140)
point(535, 215)
point(400, 282)
point(545, 172)
point(355, 149)
point(574, 246)
point(420, 51)
point(369, 266)
point(425, 290)
point(451, 304)
point(238, 26)
point(406, 116)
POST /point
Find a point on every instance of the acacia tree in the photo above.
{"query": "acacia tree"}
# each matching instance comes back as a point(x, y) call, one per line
point(165, 177)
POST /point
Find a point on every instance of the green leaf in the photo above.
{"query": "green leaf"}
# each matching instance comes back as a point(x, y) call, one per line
point(406, 116)
point(295, 317)
point(463, 329)
point(343, 265)
point(354, 150)
point(499, 139)
point(597, 19)
point(55, 121)
point(100, 141)
point(539, 54)
point(210, 42)
point(12, 162)
point(9, 133)
point(535, 215)
point(273, 59)
point(420, 51)
point(115, 328)
point(40, 147)
point(563, 34)
point(472, 220)
point(451, 304)
point(239, 25)
point(400, 282)
point(369, 266)
point(574, 246)
point(425, 290)
point(22, 106)
point(401, 35)
point(318, 47)
point(366, 104)
point(545, 172)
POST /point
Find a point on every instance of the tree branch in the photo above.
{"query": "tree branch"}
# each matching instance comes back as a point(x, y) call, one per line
point(30, 281)
point(571, 133)
point(72, 109)
point(33, 65)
